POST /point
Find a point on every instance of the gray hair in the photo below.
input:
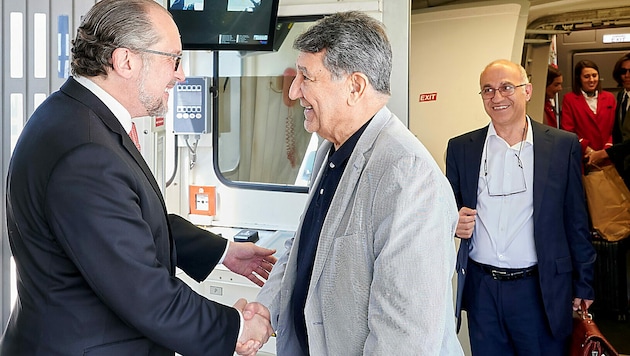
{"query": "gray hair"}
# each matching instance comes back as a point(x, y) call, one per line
point(354, 42)
point(108, 25)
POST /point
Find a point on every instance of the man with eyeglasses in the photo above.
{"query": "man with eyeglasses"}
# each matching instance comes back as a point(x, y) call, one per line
point(621, 74)
point(525, 260)
point(95, 249)
point(619, 152)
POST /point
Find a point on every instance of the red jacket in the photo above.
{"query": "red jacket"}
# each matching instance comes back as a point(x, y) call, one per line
point(550, 114)
point(593, 130)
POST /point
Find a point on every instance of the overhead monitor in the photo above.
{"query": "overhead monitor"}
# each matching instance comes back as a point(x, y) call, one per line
point(244, 25)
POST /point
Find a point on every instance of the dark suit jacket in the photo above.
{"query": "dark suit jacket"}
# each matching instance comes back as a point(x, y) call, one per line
point(565, 254)
point(618, 127)
point(620, 156)
point(95, 249)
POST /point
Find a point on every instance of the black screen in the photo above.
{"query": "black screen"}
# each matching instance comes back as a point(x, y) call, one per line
point(246, 25)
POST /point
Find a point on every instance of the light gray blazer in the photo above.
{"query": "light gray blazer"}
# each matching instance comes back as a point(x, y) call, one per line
point(381, 282)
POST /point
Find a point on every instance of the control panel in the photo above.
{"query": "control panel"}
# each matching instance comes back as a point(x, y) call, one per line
point(191, 107)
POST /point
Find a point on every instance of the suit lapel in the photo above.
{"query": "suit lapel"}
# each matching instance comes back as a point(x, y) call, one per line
point(472, 164)
point(625, 128)
point(618, 109)
point(346, 192)
point(622, 125)
point(602, 107)
point(73, 89)
point(543, 144)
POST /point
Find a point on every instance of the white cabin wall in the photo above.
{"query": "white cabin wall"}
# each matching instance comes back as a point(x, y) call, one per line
point(536, 65)
point(450, 46)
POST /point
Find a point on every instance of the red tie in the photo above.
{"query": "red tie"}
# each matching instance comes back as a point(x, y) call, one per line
point(134, 135)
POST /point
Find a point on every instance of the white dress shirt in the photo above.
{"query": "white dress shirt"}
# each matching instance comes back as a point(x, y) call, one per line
point(504, 228)
point(591, 101)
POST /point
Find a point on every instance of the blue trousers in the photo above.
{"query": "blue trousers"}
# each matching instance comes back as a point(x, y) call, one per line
point(507, 317)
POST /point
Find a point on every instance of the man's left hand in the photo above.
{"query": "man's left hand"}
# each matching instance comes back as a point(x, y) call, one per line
point(578, 301)
point(249, 260)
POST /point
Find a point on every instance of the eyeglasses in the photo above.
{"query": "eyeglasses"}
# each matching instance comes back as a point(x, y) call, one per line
point(178, 57)
point(507, 180)
point(505, 90)
point(624, 71)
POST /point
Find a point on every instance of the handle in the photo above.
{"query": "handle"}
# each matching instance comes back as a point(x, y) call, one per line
point(583, 311)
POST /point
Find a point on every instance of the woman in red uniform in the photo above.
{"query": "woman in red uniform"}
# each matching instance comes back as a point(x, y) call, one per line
point(554, 86)
point(588, 110)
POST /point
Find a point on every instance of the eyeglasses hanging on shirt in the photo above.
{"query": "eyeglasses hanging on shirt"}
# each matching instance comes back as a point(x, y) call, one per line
point(503, 168)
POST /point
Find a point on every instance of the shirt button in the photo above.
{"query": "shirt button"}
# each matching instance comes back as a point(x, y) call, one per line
point(332, 165)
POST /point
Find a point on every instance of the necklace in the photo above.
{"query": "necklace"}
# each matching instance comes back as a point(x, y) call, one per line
point(520, 148)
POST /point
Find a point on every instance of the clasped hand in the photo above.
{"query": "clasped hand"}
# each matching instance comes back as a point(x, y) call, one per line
point(593, 157)
point(256, 329)
point(255, 263)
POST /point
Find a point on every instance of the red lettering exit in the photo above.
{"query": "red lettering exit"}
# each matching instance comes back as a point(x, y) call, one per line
point(428, 97)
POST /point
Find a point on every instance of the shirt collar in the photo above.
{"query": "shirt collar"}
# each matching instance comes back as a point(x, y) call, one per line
point(590, 97)
point(112, 104)
point(529, 137)
point(337, 157)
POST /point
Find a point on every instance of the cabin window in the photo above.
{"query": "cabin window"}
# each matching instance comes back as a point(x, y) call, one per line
point(262, 143)
point(16, 46)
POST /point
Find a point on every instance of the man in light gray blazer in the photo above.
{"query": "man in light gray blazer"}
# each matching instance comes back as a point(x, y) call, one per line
point(369, 270)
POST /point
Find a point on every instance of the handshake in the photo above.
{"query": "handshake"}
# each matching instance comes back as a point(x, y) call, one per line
point(256, 329)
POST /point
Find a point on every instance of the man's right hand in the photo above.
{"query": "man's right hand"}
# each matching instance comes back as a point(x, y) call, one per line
point(256, 329)
point(466, 222)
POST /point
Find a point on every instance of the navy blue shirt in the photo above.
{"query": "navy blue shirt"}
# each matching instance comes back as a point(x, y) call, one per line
point(312, 227)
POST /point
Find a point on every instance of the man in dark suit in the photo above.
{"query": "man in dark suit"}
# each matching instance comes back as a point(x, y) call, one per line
point(525, 258)
point(621, 74)
point(94, 246)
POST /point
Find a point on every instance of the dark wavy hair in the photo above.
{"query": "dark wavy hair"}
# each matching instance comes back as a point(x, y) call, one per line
point(354, 42)
point(577, 74)
point(552, 73)
point(108, 25)
point(617, 69)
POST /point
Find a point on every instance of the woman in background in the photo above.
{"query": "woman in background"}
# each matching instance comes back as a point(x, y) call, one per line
point(589, 111)
point(554, 86)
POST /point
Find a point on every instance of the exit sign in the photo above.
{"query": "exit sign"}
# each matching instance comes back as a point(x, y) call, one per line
point(428, 97)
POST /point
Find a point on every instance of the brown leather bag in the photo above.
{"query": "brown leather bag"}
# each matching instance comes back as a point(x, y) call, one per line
point(608, 201)
point(587, 340)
